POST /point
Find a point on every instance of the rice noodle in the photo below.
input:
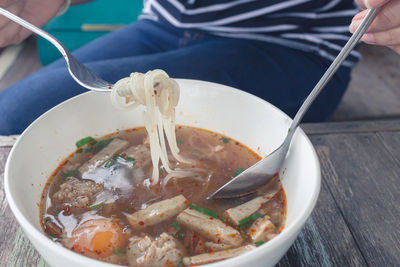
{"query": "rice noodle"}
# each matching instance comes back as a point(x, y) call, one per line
point(160, 95)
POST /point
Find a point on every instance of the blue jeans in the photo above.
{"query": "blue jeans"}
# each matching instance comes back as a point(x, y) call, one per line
point(277, 74)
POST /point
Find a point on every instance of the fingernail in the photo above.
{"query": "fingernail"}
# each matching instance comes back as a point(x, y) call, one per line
point(354, 25)
point(368, 38)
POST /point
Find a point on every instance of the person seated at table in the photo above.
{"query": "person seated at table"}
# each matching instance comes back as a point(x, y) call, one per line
point(274, 49)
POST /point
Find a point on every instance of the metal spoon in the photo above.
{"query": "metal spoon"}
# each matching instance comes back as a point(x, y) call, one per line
point(78, 71)
point(264, 170)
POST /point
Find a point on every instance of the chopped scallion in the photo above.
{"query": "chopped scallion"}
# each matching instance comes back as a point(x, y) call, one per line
point(70, 173)
point(99, 145)
point(129, 159)
point(253, 217)
point(119, 252)
point(176, 226)
point(109, 163)
point(259, 243)
point(85, 141)
point(179, 236)
point(179, 142)
point(225, 140)
point(205, 211)
point(238, 171)
point(95, 206)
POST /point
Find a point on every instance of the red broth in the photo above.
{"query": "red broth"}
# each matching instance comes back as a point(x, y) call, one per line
point(86, 207)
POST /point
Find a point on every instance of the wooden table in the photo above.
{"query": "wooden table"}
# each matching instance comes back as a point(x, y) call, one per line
point(355, 222)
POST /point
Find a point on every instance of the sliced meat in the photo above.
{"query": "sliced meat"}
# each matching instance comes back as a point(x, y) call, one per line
point(116, 146)
point(157, 212)
point(190, 241)
point(216, 256)
point(260, 228)
point(240, 212)
point(141, 154)
point(212, 246)
point(147, 252)
point(211, 228)
point(77, 193)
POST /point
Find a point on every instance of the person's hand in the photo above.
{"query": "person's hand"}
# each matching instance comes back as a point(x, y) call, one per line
point(385, 29)
point(37, 12)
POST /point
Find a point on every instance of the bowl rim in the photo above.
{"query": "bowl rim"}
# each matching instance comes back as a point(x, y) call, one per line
point(40, 237)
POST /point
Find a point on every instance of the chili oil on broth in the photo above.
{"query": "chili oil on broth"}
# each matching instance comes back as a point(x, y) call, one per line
point(126, 188)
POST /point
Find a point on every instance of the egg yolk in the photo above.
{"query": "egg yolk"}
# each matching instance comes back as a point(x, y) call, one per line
point(97, 238)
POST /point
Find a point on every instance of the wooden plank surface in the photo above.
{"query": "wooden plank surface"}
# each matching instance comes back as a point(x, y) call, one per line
point(366, 190)
point(373, 92)
point(351, 127)
point(355, 222)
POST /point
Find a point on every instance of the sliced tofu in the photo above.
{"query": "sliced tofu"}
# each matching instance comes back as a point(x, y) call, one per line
point(116, 146)
point(157, 212)
point(209, 227)
point(238, 213)
point(216, 256)
point(260, 228)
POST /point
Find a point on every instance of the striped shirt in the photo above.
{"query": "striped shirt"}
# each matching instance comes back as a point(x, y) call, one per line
point(316, 26)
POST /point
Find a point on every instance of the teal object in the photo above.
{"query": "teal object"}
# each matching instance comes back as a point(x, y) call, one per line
point(84, 23)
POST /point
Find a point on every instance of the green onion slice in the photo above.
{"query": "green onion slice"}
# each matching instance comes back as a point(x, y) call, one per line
point(109, 163)
point(259, 243)
point(119, 252)
point(225, 140)
point(179, 142)
point(85, 141)
point(70, 173)
point(179, 236)
point(176, 226)
point(129, 159)
point(238, 171)
point(253, 217)
point(99, 145)
point(205, 211)
point(96, 205)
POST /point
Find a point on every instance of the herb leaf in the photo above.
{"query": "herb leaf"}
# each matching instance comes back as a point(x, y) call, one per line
point(70, 173)
point(85, 141)
point(205, 211)
point(238, 171)
point(176, 226)
point(96, 205)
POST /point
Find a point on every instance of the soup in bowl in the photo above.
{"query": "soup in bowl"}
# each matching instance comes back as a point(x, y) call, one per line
point(234, 118)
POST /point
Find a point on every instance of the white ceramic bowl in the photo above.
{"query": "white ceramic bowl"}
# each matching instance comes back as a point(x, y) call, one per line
point(218, 108)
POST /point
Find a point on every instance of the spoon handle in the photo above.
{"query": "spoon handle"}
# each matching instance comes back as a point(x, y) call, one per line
point(332, 69)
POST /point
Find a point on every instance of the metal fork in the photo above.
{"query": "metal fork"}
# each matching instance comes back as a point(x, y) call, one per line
point(78, 71)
